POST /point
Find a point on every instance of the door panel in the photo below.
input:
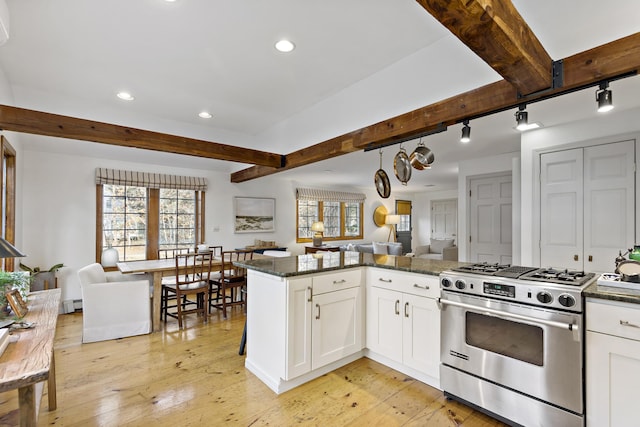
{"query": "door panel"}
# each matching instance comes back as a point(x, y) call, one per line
point(490, 219)
point(609, 197)
point(444, 219)
point(561, 204)
point(403, 230)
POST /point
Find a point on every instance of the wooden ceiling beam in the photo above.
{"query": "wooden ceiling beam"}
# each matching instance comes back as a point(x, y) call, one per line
point(611, 60)
point(498, 34)
point(39, 123)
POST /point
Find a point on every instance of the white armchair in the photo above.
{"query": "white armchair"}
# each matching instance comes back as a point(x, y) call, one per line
point(114, 305)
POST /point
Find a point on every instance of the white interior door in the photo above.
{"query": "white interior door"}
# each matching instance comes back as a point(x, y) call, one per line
point(490, 210)
point(587, 205)
point(561, 209)
point(444, 219)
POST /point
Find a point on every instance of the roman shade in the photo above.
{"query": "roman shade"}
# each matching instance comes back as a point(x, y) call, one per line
point(315, 194)
point(149, 180)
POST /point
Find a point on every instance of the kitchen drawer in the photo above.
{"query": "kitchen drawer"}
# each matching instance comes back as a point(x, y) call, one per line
point(342, 279)
point(614, 318)
point(411, 283)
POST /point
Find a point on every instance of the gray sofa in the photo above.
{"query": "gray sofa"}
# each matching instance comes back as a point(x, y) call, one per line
point(440, 249)
point(392, 248)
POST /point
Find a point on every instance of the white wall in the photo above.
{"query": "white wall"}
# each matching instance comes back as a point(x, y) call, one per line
point(58, 211)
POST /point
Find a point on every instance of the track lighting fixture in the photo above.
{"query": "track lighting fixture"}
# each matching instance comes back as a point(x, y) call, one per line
point(522, 118)
point(604, 98)
point(466, 132)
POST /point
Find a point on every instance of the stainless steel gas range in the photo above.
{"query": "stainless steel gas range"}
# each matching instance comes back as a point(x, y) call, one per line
point(512, 342)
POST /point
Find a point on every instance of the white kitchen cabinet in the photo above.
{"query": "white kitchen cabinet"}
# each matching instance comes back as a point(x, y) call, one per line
point(336, 329)
point(298, 343)
point(302, 327)
point(613, 363)
point(403, 322)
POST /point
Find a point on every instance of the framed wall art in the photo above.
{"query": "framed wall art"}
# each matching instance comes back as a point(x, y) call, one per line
point(254, 214)
point(16, 302)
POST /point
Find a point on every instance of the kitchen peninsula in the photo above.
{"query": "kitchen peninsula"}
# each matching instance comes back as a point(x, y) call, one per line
point(306, 315)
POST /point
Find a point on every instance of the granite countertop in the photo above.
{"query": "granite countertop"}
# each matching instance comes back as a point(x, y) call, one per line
point(318, 263)
point(612, 293)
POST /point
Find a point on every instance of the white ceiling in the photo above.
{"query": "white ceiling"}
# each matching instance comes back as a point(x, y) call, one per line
point(357, 62)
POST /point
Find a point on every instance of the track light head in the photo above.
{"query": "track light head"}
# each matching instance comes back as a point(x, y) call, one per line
point(466, 132)
point(604, 98)
point(522, 118)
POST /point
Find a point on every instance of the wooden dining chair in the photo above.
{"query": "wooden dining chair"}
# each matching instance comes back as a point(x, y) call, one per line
point(232, 279)
point(191, 279)
point(170, 253)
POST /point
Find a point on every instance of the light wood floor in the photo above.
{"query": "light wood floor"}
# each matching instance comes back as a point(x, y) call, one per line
point(196, 378)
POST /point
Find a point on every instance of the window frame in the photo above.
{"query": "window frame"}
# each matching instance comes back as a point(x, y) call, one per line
point(320, 217)
point(153, 221)
point(8, 198)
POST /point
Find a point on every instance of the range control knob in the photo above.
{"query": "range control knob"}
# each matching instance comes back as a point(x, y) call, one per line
point(544, 297)
point(446, 282)
point(566, 300)
point(460, 284)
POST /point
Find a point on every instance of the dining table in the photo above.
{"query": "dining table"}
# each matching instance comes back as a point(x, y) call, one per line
point(158, 268)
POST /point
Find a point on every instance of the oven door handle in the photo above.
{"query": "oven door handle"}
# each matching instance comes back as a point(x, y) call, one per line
point(499, 313)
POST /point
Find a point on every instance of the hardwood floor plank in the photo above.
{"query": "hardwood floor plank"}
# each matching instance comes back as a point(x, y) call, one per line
point(195, 377)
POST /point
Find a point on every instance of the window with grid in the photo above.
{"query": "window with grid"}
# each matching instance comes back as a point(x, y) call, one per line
point(140, 213)
point(341, 214)
point(177, 219)
point(124, 220)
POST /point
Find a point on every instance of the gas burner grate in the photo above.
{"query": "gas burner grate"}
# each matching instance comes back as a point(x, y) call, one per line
point(513, 271)
point(567, 277)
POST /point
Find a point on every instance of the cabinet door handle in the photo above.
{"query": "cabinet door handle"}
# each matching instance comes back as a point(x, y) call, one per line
point(406, 312)
point(318, 315)
point(339, 282)
point(415, 285)
point(575, 257)
point(397, 306)
point(590, 258)
point(380, 279)
point(310, 289)
point(626, 323)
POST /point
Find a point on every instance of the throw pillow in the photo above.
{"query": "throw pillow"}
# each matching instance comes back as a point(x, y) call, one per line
point(437, 245)
point(394, 248)
point(380, 248)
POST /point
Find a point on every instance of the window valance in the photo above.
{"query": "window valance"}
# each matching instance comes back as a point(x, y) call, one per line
point(310, 194)
point(149, 180)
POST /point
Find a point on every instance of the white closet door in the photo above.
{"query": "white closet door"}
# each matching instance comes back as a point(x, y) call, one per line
point(609, 198)
point(444, 219)
point(490, 208)
point(561, 205)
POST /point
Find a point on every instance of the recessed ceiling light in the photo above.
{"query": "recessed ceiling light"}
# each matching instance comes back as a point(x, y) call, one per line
point(285, 46)
point(125, 95)
point(204, 115)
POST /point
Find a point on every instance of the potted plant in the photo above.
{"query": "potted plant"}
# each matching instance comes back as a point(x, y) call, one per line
point(39, 276)
point(12, 280)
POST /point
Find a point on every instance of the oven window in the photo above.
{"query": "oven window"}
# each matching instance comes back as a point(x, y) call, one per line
point(515, 340)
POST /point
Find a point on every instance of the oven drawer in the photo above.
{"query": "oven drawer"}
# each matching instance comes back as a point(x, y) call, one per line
point(614, 318)
point(422, 285)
